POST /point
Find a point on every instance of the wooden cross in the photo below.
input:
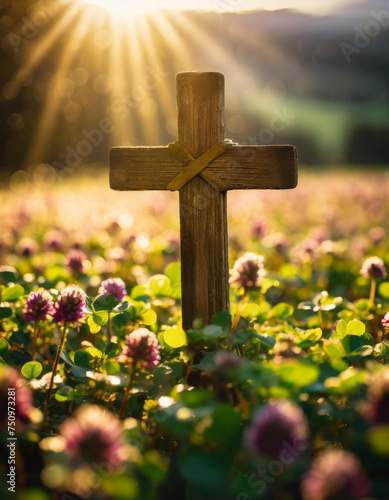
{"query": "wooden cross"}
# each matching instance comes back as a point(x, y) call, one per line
point(203, 167)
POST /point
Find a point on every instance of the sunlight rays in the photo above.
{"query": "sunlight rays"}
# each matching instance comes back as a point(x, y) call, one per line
point(120, 69)
point(165, 98)
point(170, 36)
point(36, 56)
point(45, 128)
point(55, 32)
point(218, 54)
point(125, 8)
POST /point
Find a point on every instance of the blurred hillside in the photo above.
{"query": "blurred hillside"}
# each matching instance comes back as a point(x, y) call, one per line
point(290, 78)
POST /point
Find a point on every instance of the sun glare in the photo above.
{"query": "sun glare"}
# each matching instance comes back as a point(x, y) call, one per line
point(126, 8)
point(116, 60)
point(131, 51)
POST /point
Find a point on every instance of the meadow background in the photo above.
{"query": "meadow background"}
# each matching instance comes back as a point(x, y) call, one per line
point(210, 412)
point(67, 65)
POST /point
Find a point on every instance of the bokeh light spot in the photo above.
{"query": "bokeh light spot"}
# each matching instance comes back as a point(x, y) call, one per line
point(80, 76)
point(15, 121)
point(10, 90)
point(44, 175)
point(41, 91)
point(72, 111)
point(20, 182)
point(6, 21)
point(53, 476)
point(24, 78)
point(102, 84)
point(125, 220)
point(65, 87)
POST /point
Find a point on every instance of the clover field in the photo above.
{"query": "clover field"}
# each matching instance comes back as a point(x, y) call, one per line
point(286, 398)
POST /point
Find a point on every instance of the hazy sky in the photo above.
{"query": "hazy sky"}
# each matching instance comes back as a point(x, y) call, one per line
point(315, 6)
point(305, 5)
point(311, 6)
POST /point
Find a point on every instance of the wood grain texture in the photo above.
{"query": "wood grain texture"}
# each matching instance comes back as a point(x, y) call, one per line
point(203, 210)
point(257, 167)
point(142, 168)
point(240, 167)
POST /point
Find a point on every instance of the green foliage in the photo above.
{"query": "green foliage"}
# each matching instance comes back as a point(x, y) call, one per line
point(12, 293)
point(309, 335)
point(282, 311)
point(175, 337)
point(5, 312)
point(298, 375)
point(65, 393)
point(4, 346)
point(31, 370)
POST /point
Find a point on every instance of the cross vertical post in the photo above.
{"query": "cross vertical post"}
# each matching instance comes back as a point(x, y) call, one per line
point(202, 167)
point(203, 210)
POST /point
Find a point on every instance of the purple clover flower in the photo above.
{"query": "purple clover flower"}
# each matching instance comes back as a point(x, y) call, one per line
point(141, 346)
point(54, 241)
point(93, 435)
point(308, 248)
point(114, 286)
point(70, 305)
point(377, 408)
point(258, 229)
point(38, 306)
point(335, 474)
point(75, 261)
point(374, 268)
point(27, 247)
point(385, 320)
point(10, 379)
point(276, 429)
point(319, 234)
point(278, 241)
point(226, 361)
point(248, 272)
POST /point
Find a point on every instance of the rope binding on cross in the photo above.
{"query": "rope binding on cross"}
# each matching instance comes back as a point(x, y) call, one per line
point(198, 166)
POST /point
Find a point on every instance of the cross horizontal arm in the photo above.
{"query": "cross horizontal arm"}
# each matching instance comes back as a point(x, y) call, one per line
point(240, 167)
